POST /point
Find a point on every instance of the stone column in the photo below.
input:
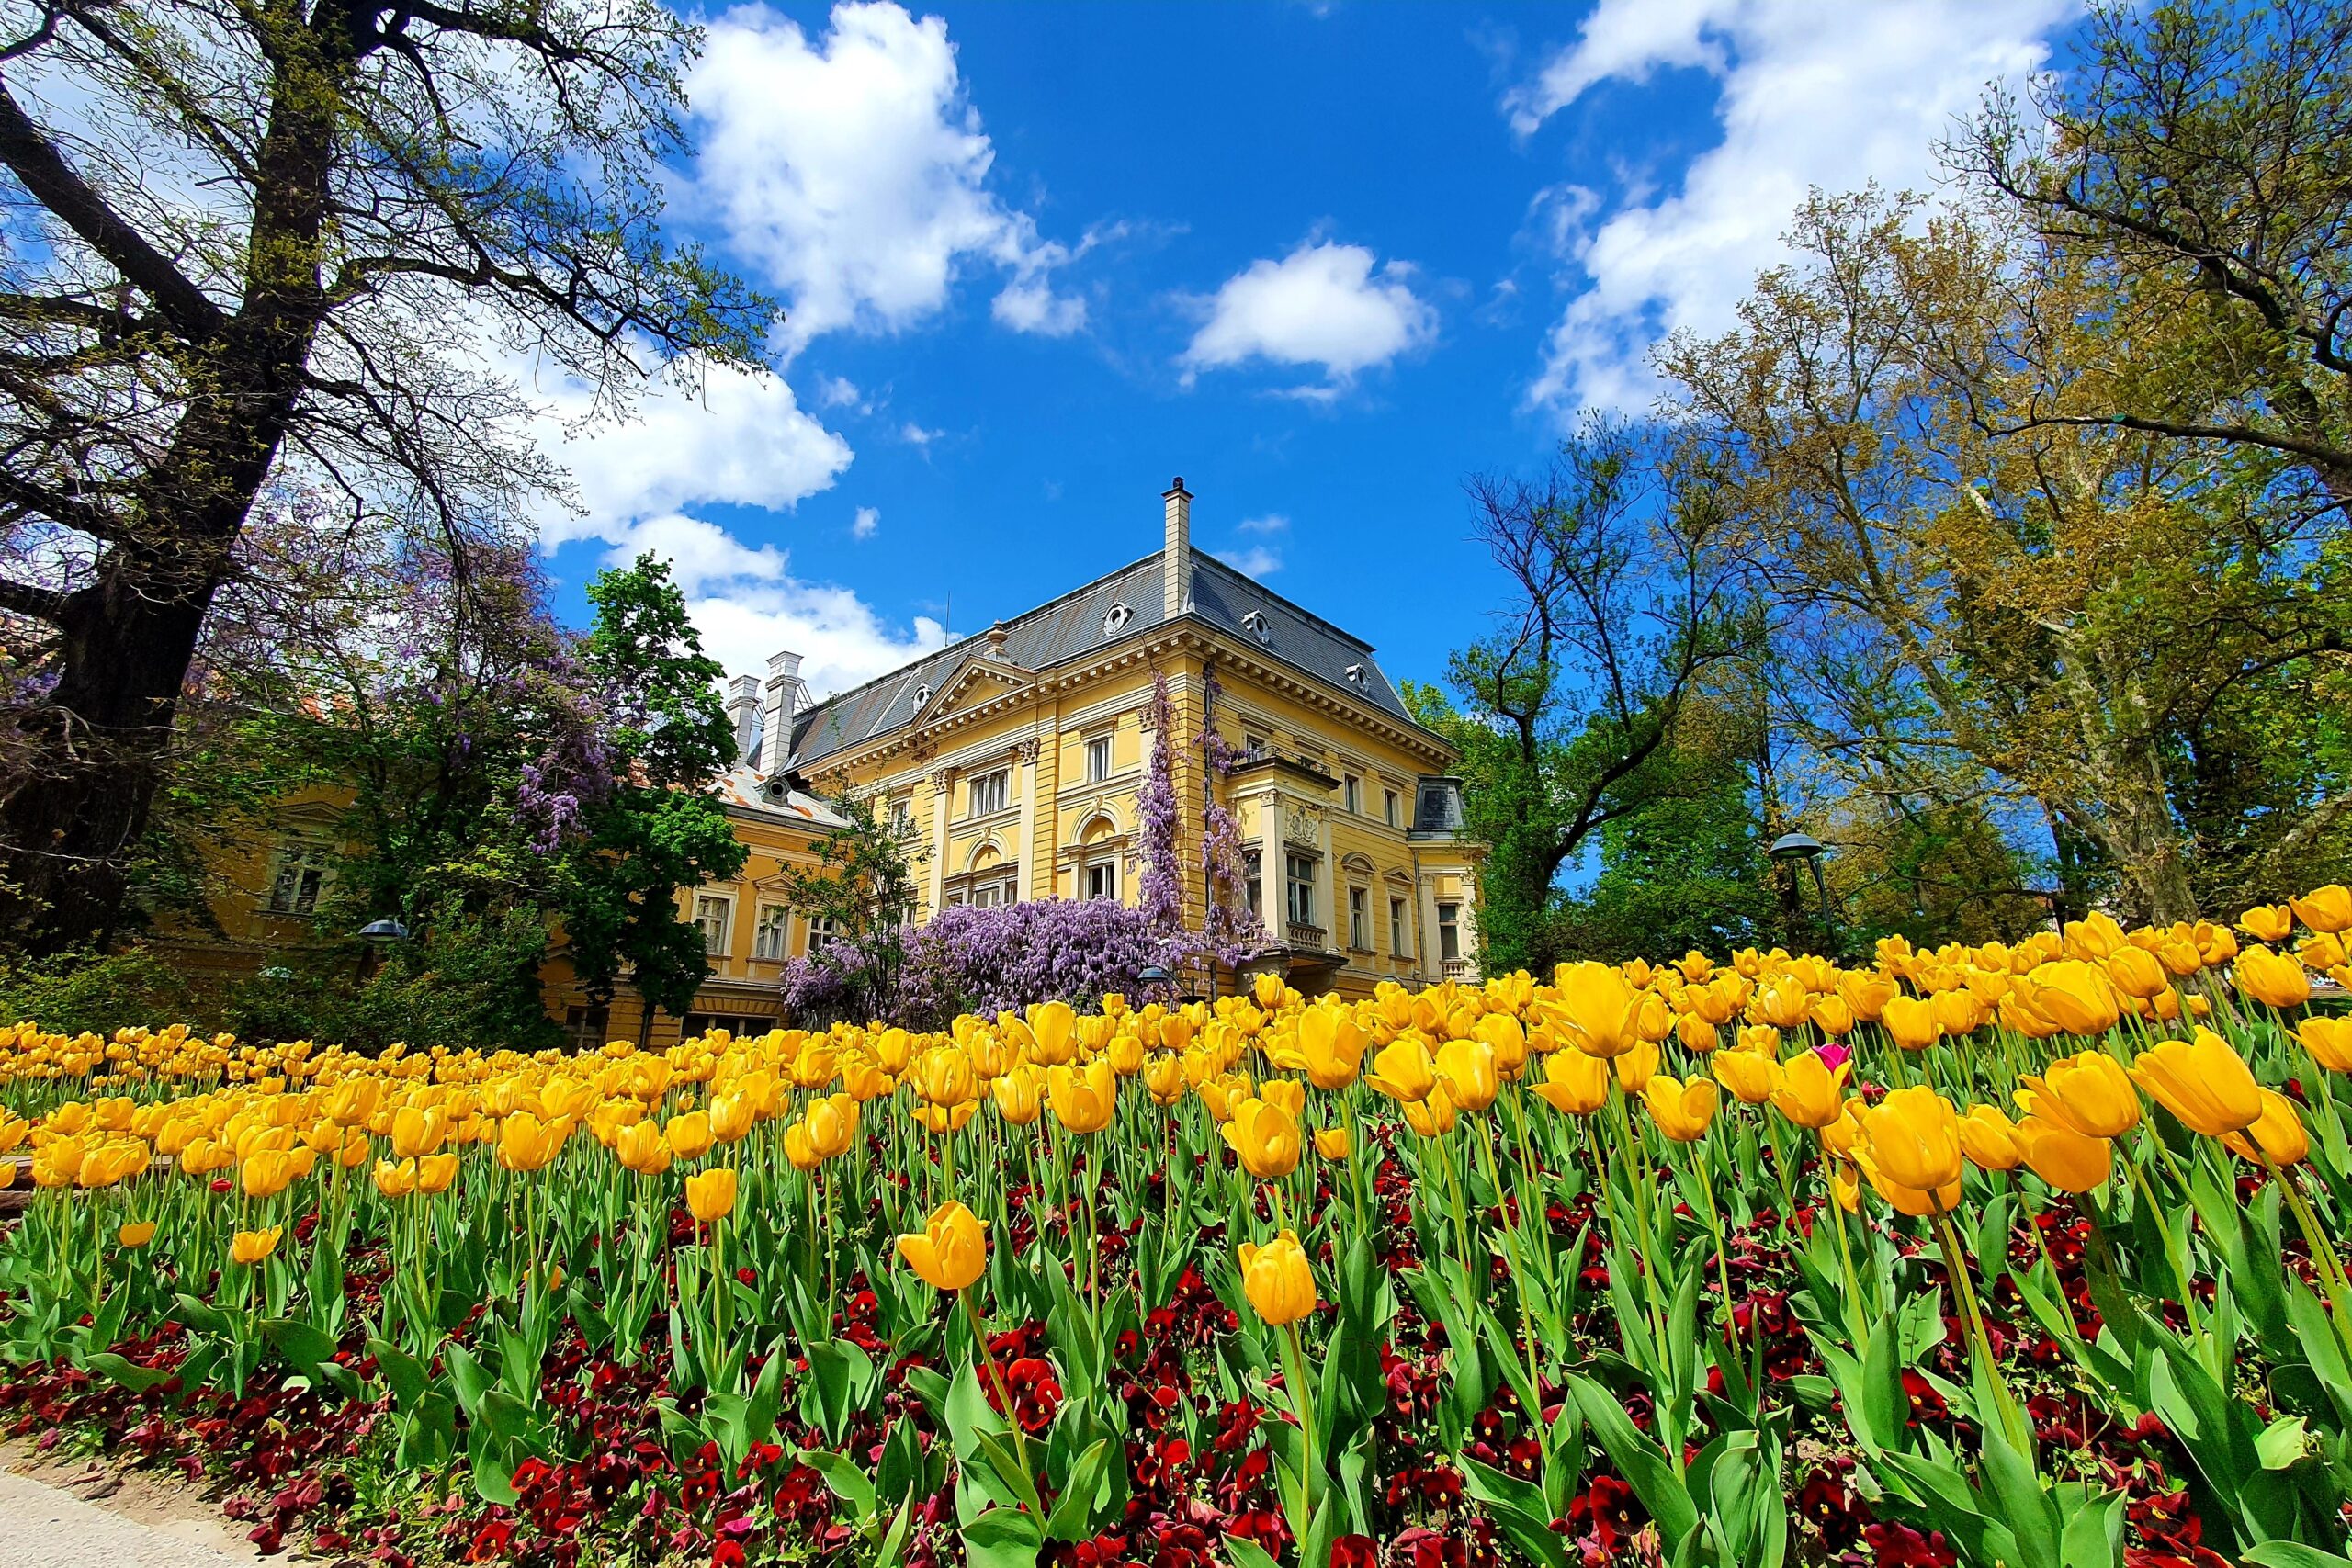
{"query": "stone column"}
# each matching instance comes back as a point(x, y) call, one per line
point(1031, 848)
point(943, 791)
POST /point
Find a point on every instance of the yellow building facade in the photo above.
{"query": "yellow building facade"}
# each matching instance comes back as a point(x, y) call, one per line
point(1018, 758)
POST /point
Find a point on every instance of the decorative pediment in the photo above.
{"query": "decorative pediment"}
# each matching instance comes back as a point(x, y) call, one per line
point(1356, 864)
point(980, 681)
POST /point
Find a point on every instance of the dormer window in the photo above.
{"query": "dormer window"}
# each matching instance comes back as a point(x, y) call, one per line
point(1116, 617)
point(923, 695)
point(1255, 624)
point(1355, 675)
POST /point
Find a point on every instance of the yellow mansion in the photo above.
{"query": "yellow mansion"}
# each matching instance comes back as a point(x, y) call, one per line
point(1018, 758)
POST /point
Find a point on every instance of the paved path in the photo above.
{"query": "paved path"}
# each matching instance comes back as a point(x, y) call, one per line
point(42, 1526)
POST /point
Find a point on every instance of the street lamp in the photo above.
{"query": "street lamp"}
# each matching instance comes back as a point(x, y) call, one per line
point(1806, 847)
point(377, 935)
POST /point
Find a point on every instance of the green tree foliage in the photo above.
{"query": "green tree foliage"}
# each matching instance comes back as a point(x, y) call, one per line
point(861, 892)
point(659, 826)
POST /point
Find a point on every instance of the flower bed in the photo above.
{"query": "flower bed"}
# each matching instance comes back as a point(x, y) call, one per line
point(1987, 1255)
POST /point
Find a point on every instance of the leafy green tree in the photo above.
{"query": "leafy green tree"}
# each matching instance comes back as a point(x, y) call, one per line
point(1625, 604)
point(657, 824)
point(861, 892)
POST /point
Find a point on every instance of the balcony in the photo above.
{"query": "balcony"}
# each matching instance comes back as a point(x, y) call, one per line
point(1305, 935)
point(1454, 968)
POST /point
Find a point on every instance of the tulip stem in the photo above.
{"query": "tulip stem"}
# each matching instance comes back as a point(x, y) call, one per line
point(1003, 1391)
point(1862, 1318)
point(1303, 1405)
point(2323, 1255)
point(1956, 1265)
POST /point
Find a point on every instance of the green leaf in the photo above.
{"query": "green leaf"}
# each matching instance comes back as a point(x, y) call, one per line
point(1074, 1514)
point(1640, 1461)
point(2281, 1443)
point(1518, 1510)
point(844, 1478)
point(1002, 1537)
point(2292, 1554)
point(1246, 1553)
point(129, 1374)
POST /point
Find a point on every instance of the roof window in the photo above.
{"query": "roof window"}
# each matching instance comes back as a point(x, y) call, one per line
point(1116, 616)
point(1256, 624)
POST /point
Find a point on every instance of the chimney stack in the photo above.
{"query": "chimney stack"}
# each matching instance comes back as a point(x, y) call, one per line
point(784, 701)
point(1176, 553)
point(743, 709)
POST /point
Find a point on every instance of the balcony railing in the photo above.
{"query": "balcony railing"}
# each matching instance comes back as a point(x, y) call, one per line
point(1454, 968)
point(1305, 935)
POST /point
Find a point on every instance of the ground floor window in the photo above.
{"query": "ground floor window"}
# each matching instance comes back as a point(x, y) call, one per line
point(587, 1028)
point(1449, 932)
point(736, 1023)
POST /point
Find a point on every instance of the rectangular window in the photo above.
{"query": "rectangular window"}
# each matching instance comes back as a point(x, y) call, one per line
point(1359, 920)
point(743, 1026)
point(768, 937)
point(587, 1028)
point(1397, 926)
point(988, 794)
point(1103, 879)
point(902, 815)
point(1253, 883)
point(821, 933)
point(300, 877)
point(1253, 745)
point(1388, 804)
point(1352, 794)
point(710, 914)
point(1299, 873)
point(1098, 758)
point(987, 895)
point(1449, 932)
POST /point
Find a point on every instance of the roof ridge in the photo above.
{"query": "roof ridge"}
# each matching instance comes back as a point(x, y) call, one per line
point(1204, 557)
point(1029, 615)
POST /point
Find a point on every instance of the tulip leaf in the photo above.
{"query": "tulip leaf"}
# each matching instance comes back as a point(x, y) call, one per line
point(1518, 1510)
point(844, 1478)
point(1642, 1464)
point(1084, 1497)
point(1002, 1537)
point(299, 1342)
point(2292, 1554)
point(129, 1374)
point(1246, 1553)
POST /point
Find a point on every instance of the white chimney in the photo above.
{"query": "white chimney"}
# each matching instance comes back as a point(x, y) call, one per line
point(1176, 553)
point(743, 709)
point(775, 724)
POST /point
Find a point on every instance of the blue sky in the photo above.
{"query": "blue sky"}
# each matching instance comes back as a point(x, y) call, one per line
point(1323, 260)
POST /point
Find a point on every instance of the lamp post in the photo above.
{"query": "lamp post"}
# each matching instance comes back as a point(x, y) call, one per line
point(377, 935)
point(1793, 847)
point(1152, 975)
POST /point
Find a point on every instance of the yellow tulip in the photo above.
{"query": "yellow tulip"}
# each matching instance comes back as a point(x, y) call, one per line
point(527, 1144)
point(731, 1116)
point(2076, 996)
point(1326, 1045)
point(419, 1129)
point(1696, 1033)
point(1266, 1137)
point(2276, 1137)
point(267, 1173)
point(1467, 1069)
point(1163, 1079)
point(249, 1247)
point(710, 1194)
point(798, 1148)
point(2201, 1081)
point(1574, 1083)
point(641, 1147)
point(1988, 1139)
point(2268, 922)
point(2272, 977)
point(1636, 1066)
point(1910, 1022)
point(2089, 1093)
point(2329, 1040)
point(1594, 1003)
point(1084, 1098)
point(2063, 1157)
point(2136, 972)
point(952, 1250)
point(688, 1134)
point(1681, 1110)
point(136, 1235)
point(1750, 1078)
point(396, 1180)
point(1404, 1069)
point(1912, 1139)
point(435, 1172)
point(832, 1120)
point(1333, 1142)
point(1277, 1280)
point(2325, 909)
point(1433, 1117)
point(1811, 1093)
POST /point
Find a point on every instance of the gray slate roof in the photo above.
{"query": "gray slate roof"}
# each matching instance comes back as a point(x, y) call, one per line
point(1073, 626)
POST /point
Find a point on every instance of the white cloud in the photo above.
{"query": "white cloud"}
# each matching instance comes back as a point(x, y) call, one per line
point(852, 172)
point(1810, 95)
point(840, 392)
point(699, 553)
point(1323, 304)
point(867, 520)
point(1255, 561)
point(841, 638)
point(1272, 523)
point(914, 435)
point(739, 438)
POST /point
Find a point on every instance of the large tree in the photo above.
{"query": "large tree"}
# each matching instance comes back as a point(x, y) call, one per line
point(2066, 603)
point(1625, 601)
point(2200, 162)
point(246, 240)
